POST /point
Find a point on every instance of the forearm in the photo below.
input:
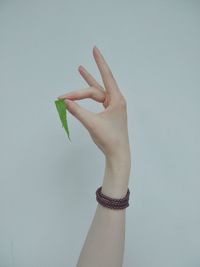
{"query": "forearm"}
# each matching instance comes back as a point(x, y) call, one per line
point(104, 244)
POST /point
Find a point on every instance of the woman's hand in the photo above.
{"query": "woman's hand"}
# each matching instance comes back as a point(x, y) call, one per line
point(108, 128)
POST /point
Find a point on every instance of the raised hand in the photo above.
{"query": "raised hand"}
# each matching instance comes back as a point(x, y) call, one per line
point(108, 128)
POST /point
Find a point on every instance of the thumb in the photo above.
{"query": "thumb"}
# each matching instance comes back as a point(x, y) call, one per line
point(82, 114)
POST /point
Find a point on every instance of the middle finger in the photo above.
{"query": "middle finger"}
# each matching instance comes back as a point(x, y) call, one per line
point(89, 78)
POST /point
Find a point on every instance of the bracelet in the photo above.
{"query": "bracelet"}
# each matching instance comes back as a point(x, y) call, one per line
point(112, 203)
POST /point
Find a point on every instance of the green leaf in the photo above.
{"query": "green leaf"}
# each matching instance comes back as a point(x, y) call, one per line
point(62, 111)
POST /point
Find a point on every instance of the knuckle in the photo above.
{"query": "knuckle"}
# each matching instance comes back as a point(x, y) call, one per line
point(91, 93)
point(122, 103)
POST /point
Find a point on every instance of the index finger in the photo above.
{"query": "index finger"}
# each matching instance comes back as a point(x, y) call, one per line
point(106, 74)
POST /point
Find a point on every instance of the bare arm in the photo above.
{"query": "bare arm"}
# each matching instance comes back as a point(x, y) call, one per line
point(104, 243)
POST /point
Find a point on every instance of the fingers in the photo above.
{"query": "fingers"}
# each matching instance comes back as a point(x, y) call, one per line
point(89, 92)
point(92, 82)
point(82, 114)
point(89, 78)
point(106, 74)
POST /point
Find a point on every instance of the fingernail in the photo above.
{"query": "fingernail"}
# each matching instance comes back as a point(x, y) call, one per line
point(97, 49)
point(68, 100)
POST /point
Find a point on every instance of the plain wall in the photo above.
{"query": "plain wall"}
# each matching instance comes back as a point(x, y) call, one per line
point(47, 184)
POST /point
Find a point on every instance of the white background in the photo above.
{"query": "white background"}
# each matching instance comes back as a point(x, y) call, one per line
point(47, 184)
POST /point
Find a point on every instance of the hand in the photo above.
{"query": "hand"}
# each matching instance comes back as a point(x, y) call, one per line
point(108, 128)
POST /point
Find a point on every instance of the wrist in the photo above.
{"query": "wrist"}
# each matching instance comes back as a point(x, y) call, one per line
point(114, 189)
point(116, 176)
point(119, 162)
point(120, 153)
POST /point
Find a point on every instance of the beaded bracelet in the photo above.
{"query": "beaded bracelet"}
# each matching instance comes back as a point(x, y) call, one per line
point(112, 203)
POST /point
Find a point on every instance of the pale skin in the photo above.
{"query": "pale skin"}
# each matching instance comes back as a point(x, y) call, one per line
point(104, 243)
